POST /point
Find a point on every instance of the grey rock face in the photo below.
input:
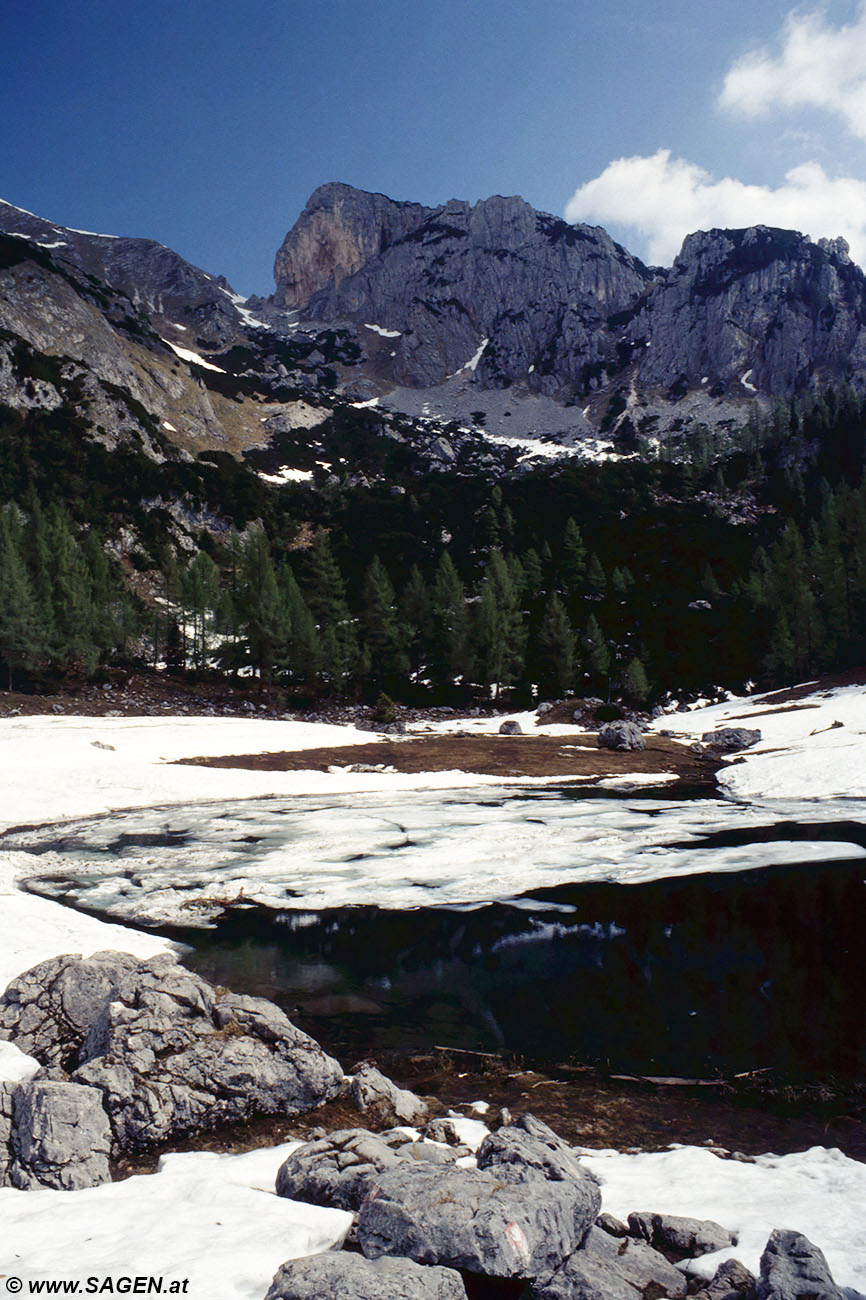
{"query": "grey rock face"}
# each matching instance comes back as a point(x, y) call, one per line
point(339, 1274)
point(759, 307)
point(6, 1091)
point(339, 1170)
point(608, 1269)
point(471, 1219)
point(792, 1268)
point(170, 1056)
point(529, 1147)
point(510, 728)
point(48, 1010)
point(681, 1236)
point(59, 1137)
point(731, 1281)
point(540, 291)
point(371, 1090)
point(621, 735)
point(730, 739)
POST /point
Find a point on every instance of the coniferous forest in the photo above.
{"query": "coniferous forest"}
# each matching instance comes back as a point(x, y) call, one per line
point(702, 563)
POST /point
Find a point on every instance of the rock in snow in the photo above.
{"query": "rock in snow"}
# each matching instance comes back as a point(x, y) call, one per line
point(167, 1052)
point(472, 1219)
point(728, 740)
point(343, 1274)
point(339, 1170)
point(607, 1269)
point(680, 1236)
point(793, 1269)
point(59, 1136)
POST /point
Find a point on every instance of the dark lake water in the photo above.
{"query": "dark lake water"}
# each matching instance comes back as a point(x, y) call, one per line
point(705, 974)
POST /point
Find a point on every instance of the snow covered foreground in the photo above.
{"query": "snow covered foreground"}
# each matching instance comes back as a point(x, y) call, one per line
point(216, 1220)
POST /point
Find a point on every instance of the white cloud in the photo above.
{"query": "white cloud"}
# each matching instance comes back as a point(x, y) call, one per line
point(661, 199)
point(817, 66)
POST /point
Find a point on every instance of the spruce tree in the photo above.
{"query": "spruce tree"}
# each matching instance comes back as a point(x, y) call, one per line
point(383, 634)
point(450, 653)
point(500, 630)
point(325, 594)
point(555, 654)
point(19, 622)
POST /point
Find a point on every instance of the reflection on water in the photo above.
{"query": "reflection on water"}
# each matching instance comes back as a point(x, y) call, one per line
point(683, 977)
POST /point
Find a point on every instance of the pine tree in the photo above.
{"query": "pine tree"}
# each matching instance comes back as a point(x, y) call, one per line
point(325, 594)
point(383, 634)
point(300, 652)
point(573, 564)
point(415, 613)
point(201, 593)
point(74, 641)
point(261, 611)
point(500, 630)
point(450, 654)
point(19, 623)
point(634, 681)
point(597, 653)
point(556, 645)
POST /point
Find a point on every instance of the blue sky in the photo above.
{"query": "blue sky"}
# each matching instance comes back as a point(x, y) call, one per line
point(207, 125)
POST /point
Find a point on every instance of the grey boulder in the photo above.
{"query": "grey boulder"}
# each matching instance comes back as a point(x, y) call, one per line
point(372, 1091)
point(727, 740)
point(339, 1170)
point(792, 1268)
point(511, 727)
point(622, 736)
point(680, 1236)
point(58, 1136)
point(172, 1055)
point(610, 1269)
point(731, 1281)
point(472, 1219)
point(528, 1147)
point(48, 1010)
point(345, 1276)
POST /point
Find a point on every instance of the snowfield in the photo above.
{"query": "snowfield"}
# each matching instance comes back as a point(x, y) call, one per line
point(215, 1219)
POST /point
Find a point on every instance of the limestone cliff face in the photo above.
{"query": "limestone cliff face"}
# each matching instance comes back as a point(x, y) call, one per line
point(757, 310)
point(338, 232)
point(495, 288)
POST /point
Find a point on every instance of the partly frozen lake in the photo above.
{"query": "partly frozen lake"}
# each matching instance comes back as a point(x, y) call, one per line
point(662, 936)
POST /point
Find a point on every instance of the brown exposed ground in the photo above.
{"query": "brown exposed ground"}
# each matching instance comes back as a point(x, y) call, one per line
point(509, 756)
point(749, 1117)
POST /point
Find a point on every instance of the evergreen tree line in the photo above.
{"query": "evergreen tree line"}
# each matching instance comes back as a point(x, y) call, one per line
point(64, 606)
point(289, 619)
point(647, 585)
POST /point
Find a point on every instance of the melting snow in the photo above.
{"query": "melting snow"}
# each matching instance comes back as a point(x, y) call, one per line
point(186, 354)
point(243, 311)
point(288, 476)
point(386, 334)
point(744, 380)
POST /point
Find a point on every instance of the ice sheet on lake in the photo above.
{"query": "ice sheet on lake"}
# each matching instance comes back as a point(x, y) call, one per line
point(395, 849)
